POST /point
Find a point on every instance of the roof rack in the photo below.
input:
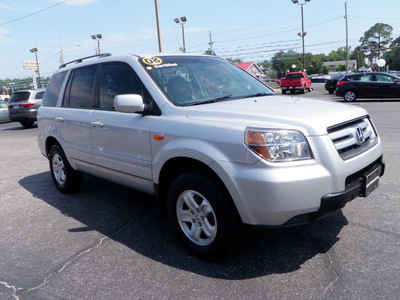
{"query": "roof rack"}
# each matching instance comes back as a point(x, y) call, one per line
point(83, 58)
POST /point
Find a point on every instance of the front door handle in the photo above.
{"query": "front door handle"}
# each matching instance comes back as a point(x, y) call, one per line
point(97, 124)
point(59, 119)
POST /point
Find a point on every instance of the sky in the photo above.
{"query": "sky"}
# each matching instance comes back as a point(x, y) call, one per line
point(252, 30)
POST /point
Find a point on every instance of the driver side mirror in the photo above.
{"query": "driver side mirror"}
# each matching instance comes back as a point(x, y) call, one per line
point(129, 103)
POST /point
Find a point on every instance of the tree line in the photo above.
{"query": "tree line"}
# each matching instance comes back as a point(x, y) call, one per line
point(377, 42)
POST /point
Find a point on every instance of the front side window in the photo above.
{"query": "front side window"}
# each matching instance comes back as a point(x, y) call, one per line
point(191, 80)
point(82, 87)
point(117, 79)
point(384, 78)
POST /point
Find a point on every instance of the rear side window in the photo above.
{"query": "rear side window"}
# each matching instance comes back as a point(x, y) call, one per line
point(81, 88)
point(53, 89)
point(39, 95)
point(20, 96)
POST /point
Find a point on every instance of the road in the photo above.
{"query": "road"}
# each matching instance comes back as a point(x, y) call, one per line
point(111, 242)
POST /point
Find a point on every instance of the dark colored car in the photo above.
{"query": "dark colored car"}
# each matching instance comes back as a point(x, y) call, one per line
point(368, 85)
point(23, 106)
point(330, 84)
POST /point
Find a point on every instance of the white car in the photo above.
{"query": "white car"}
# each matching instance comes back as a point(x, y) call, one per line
point(216, 146)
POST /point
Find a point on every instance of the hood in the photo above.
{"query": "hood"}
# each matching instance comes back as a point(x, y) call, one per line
point(312, 117)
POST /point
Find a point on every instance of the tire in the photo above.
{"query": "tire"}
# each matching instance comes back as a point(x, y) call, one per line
point(349, 96)
point(309, 89)
point(283, 92)
point(66, 179)
point(303, 90)
point(331, 91)
point(201, 217)
point(27, 124)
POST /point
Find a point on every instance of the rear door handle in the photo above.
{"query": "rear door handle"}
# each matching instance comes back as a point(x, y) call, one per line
point(97, 124)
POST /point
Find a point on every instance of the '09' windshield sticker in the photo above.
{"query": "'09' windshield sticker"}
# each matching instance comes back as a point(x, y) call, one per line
point(153, 60)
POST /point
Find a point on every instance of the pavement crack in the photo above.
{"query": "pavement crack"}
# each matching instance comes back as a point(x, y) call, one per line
point(13, 288)
point(329, 287)
point(90, 249)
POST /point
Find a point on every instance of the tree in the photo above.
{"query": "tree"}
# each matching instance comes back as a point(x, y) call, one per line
point(393, 56)
point(359, 56)
point(234, 60)
point(336, 55)
point(378, 36)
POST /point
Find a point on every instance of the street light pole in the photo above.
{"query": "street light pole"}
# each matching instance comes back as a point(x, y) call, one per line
point(97, 37)
point(35, 50)
point(302, 33)
point(182, 22)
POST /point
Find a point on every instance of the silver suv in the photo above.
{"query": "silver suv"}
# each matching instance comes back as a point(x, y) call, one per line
point(216, 146)
point(23, 106)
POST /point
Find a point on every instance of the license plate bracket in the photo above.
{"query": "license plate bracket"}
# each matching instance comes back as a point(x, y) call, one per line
point(371, 180)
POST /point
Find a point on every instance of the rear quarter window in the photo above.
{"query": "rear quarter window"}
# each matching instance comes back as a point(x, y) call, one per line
point(53, 89)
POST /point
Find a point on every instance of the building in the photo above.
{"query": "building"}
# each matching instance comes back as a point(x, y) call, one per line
point(332, 65)
point(251, 68)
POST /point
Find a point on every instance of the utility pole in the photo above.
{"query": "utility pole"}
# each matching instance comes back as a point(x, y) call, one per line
point(347, 38)
point(158, 26)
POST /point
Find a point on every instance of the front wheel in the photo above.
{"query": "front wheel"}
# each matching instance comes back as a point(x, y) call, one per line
point(201, 216)
point(350, 96)
point(66, 179)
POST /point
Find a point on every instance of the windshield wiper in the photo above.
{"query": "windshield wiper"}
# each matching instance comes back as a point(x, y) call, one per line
point(258, 95)
point(214, 100)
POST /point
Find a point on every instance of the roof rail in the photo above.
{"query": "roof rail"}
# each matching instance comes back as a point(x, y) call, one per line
point(83, 58)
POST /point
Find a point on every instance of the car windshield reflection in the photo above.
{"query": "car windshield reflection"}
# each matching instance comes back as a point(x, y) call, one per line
point(193, 80)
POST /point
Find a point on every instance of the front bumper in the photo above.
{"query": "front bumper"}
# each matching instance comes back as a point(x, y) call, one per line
point(358, 185)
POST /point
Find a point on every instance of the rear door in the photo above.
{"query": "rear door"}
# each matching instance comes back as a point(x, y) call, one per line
point(73, 119)
point(121, 142)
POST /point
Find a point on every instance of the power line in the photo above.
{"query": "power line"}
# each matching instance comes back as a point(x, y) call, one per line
point(34, 13)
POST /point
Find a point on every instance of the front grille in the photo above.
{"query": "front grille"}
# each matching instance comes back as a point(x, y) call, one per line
point(353, 138)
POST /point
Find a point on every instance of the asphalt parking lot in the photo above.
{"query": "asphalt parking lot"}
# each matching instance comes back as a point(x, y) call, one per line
point(111, 242)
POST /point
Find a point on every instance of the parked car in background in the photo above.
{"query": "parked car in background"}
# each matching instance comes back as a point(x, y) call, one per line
point(23, 106)
point(4, 115)
point(330, 84)
point(368, 85)
point(295, 81)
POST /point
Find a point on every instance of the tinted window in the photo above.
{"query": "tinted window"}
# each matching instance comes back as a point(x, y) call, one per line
point(293, 76)
point(384, 78)
point(39, 95)
point(53, 89)
point(117, 79)
point(82, 87)
point(20, 96)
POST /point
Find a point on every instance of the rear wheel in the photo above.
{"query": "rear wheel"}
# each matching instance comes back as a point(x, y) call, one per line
point(201, 216)
point(66, 179)
point(303, 90)
point(284, 92)
point(27, 124)
point(350, 96)
point(331, 91)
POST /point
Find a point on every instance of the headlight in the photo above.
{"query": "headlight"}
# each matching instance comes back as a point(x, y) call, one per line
point(278, 145)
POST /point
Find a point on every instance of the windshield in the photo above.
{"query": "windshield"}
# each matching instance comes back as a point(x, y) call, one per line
point(191, 80)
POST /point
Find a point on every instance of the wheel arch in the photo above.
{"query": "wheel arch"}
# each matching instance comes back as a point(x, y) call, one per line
point(50, 141)
point(180, 165)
